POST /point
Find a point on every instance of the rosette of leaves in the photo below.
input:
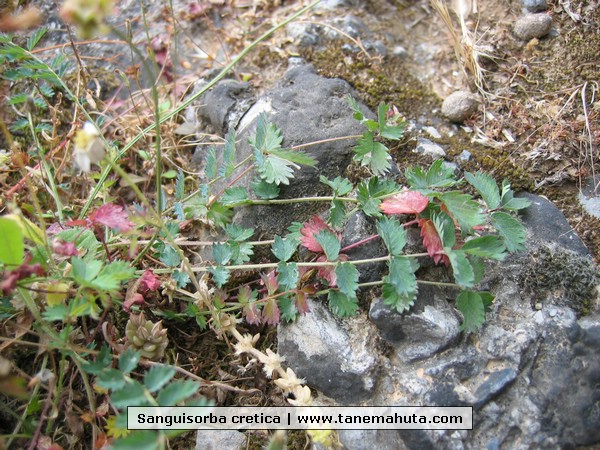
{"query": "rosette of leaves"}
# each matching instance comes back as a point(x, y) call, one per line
point(146, 336)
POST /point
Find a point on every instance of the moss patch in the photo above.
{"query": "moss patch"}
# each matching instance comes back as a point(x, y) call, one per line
point(375, 82)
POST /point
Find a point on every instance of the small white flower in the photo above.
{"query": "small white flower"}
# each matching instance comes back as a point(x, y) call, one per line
point(289, 381)
point(272, 362)
point(303, 397)
point(89, 148)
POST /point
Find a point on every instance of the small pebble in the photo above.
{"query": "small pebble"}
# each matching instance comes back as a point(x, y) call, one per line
point(465, 156)
point(459, 105)
point(534, 5)
point(532, 26)
point(428, 148)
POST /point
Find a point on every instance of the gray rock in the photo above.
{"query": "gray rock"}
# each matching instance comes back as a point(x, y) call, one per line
point(370, 439)
point(304, 34)
point(359, 227)
point(459, 106)
point(219, 103)
point(589, 197)
point(220, 440)
point(495, 383)
point(426, 147)
point(430, 327)
point(307, 108)
point(336, 357)
point(532, 26)
point(534, 6)
point(465, 156)
point(546, 223)
point(455, 365)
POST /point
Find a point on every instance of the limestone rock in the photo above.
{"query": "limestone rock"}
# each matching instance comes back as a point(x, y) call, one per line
point(532, 26)
point(459, 106)
point(336, 357)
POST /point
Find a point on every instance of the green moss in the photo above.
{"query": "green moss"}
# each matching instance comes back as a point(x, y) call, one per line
point(375, 82)
point(562, 277)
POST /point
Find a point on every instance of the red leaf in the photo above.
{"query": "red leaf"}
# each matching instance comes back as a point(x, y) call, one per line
point(328, 272)
point(301, 297)
point(148, 282)
point(135, 299)
point(406, 202)
point(251, 313)
point(63, 248)
point(112, 216)
point(310, 229)
point(270, 312)
point(432, 241)
point(270, 282)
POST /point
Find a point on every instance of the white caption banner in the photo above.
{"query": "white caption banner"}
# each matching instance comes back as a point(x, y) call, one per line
point(300, 418)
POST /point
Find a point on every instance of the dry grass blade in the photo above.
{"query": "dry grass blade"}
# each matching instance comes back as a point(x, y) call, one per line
point(466, 49)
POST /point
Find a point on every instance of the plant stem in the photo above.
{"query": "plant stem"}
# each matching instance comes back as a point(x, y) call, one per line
point(300, 264)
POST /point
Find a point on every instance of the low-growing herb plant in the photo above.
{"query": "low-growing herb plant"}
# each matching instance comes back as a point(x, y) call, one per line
point(79, 270)
point(457, 230)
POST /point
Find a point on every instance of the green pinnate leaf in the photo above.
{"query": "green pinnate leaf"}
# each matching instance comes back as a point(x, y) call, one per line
point(264, 190)
point(287, 275)
point(393, 235)
point(358, 114)
point(342, 305)
point(157, 377)
point(337, 213)
point(296, 157)
point(511, 230)
point(238, 233)
point(370, 193)
point(177, 391)
point(132, 394)
point(373, 154)
point(347, 278)
point(112, 379)
point(222, 253)
point(330, 244)
point(340, 186)
point(228, 164)
point(128, 360)
point(508, 200)
point(486, 247)
point(241, 252)
point(210, 168)
point(287, 308)
point(283, 249)
point(220, 275)
point(438, 176)
point(393, 131)
point(400, 285)
point(84, 271)
point(103, 360)
point(462, 207)
point(276, 170)
point(464, 275)
point(444, 226)
point(35, 37)
point(140, 440)
point(268, 137)
point(486, 186)
point(472, 307)
point(113, 274)
point(234, 196)
point(169, 256)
